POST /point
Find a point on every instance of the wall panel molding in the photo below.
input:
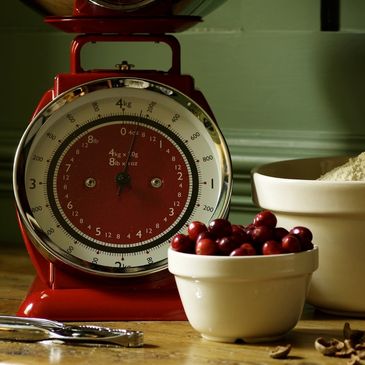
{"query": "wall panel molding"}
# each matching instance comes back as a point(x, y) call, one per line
point(8, 142)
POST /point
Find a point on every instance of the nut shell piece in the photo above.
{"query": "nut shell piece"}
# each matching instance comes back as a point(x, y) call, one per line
point(280, 352)
point(328, 347)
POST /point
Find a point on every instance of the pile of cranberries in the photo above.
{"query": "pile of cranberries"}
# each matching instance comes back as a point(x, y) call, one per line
point(261, 237)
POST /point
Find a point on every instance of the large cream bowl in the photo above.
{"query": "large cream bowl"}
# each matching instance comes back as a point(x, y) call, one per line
point(334, 212)
point(253, 298)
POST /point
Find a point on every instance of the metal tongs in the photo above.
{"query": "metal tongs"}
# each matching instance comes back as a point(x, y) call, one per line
point(38, 329)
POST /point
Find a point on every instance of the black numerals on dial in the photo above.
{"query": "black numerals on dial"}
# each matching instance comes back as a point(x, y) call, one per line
point(123, 104)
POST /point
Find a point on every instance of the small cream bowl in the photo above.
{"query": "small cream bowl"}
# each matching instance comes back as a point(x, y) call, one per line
point(252, 298)
point(335, 213)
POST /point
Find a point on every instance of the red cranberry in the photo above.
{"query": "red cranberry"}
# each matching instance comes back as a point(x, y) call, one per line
point(249, 248)
point(272, 247)
point(307, 246)
point(220, 227)
point(239, 231)
point(227, 244)
point(303, 233)
point(261, 234)
point(249, 228)
point(279, 233)
point(195, 229)
point(290, 244)
point(237, 239)
point(205, 234)
point(261, 237)
point(265, 218)
point(182, 243)
point(245, 249)
point(206, 246)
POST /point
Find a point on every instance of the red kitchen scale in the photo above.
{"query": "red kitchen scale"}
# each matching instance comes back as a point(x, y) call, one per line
point(113, 164)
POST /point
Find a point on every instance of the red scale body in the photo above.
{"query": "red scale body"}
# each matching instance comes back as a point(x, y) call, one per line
point(65, 293)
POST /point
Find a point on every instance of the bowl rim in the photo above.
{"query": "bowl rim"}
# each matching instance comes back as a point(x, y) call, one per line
point(259, 170)
point(243, 267)
point(284, 194)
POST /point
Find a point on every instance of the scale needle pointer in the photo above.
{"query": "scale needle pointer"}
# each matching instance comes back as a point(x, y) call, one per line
point(123, 178)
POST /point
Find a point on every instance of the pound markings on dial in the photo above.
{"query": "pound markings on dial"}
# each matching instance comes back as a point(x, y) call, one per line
point(120, 210)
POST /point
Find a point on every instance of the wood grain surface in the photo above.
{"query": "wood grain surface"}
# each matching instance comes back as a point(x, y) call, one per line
point(165, 342)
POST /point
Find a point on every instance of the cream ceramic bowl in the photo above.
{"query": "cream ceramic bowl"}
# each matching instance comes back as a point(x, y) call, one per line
point(334, 212)
point(253, 298)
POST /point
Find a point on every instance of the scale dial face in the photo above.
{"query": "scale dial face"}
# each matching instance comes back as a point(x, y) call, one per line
point(108, 172)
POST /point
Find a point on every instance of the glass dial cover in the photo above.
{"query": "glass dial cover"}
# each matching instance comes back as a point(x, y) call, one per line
point(109, 171)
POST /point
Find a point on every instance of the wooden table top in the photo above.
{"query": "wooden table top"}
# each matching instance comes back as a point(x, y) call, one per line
point(167, 342)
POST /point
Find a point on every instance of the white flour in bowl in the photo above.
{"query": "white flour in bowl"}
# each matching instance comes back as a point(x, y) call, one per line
point(352, 170)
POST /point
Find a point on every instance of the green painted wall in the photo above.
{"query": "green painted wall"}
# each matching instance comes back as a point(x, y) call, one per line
point(278, 86)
